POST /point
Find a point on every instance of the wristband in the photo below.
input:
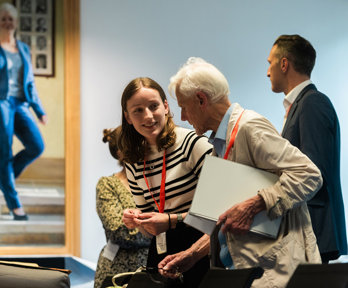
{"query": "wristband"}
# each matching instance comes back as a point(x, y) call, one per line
point(169, 222)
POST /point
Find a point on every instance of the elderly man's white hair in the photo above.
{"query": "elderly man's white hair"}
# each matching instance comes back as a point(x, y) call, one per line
point(197, 75)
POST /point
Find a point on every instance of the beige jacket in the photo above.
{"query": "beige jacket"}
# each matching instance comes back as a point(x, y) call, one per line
point(258, 144)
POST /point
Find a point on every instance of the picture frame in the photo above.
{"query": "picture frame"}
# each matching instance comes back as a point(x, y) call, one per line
point(36, 28)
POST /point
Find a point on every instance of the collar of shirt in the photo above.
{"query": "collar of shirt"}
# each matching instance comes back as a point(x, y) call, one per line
point(218, 139)
point(292, 95)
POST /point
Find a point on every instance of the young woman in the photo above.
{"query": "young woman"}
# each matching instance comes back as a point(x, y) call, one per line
point(126, 250)
point(163, 163)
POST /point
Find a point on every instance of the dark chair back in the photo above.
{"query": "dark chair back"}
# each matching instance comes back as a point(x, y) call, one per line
point(239, 278)
point(320, 276)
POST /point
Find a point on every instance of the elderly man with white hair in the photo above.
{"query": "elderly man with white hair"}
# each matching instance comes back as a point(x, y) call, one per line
point(246, 137)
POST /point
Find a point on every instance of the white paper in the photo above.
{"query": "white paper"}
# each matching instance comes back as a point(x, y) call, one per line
point(222, 184)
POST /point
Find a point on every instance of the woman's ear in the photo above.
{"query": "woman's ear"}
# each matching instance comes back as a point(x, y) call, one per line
point(126, 115)
point(166, 107)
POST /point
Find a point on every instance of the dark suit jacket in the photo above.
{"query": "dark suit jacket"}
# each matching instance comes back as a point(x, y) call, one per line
point(312, 126)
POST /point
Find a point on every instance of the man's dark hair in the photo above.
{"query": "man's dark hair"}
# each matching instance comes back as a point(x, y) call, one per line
point(298, 50)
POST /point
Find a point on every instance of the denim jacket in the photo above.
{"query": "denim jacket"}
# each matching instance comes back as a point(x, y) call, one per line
point(29, 88)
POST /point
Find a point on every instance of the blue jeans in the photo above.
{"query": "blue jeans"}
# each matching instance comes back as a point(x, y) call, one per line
point(16, 119)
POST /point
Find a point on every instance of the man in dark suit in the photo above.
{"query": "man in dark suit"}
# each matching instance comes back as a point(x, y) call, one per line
point(311, 124)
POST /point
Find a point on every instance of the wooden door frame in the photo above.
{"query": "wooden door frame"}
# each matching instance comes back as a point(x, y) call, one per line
point(71, 13)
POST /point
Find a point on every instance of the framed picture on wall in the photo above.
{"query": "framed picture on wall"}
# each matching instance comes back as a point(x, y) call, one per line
point(35, 28)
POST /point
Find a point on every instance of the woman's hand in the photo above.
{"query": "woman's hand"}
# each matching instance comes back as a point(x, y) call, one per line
point(43, 119)
point(154, 223)
point(130, 218)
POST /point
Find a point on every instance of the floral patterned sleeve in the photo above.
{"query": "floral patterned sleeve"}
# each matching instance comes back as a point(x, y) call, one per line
point(112, 199)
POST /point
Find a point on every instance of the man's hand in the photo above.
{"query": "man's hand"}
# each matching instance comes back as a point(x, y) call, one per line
point(239, 218)
point(174, 265)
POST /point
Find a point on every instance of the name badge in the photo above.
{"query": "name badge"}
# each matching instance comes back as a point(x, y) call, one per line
point(110, 251)
point(161, 243)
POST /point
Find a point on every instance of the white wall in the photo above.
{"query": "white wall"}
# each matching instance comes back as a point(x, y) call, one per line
point(121, 40)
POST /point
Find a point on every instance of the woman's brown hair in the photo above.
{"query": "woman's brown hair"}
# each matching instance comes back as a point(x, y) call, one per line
point(111, 136)
point(132, 144)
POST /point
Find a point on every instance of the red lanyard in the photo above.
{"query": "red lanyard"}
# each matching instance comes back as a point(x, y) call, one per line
point(163, 184)
point(233, 136)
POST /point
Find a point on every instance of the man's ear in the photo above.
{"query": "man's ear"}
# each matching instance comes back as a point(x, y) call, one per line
point(126, 115)
point(202, 98)
point(284, 64)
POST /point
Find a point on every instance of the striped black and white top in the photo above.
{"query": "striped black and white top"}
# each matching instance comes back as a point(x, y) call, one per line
point(183, 165)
